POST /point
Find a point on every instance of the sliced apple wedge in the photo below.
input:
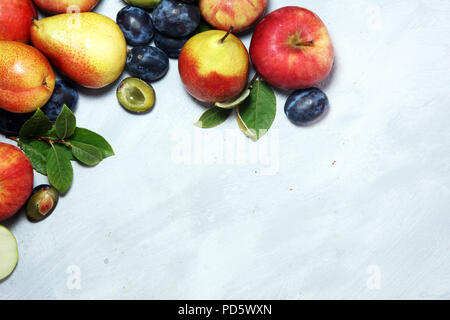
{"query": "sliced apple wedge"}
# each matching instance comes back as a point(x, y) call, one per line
point(8, 253)
point(234, 102)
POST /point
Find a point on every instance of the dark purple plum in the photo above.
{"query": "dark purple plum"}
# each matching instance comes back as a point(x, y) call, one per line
point(136, 25)
point(147, 63)
point(10, 123)
point(176, 19)
point(64, 94)
point(304, 107)
point(171, 46)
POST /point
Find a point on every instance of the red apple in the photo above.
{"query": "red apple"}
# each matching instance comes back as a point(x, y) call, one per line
point(15, 19)
point(291, 49)
point(16, 180)
point(241, 14)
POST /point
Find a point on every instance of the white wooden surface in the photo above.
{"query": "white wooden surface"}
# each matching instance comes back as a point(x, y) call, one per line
point(357, 206)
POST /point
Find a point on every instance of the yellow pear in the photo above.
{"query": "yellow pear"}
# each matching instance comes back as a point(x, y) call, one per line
point(88, 47)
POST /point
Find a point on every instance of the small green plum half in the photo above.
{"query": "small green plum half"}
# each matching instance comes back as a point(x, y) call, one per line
point(146, 4)
point(42, 202)
point(136, 95)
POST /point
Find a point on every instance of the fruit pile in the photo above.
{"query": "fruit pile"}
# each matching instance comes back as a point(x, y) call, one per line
point(290, 50)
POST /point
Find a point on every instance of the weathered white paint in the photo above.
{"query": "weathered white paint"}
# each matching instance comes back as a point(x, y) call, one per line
point(359, 206)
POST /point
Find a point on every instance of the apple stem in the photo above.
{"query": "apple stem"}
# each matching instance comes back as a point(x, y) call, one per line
point(227, 34)
point(305, 44)
point(15, 139)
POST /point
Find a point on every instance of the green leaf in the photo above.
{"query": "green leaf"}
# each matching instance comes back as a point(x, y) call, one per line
point(213, 117)
point(86, 153)
point(66, 150)
point(94, 139)
point(257, 113)
point(36, 151)
point(51, 134)
point(244, 128)
point(65, 123)
point(37, 125)
point(59, 169)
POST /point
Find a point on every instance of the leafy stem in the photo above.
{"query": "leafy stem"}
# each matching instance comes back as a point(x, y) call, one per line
point(49, 140)
point(52, 141)
point(51, 147)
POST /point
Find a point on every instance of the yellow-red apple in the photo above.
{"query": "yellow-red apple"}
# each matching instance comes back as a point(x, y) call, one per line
point(27, 78)
point(66, 6)
point(291, 49)
point(241, 14)
point(213, 66)
point(15, 20)
point(16, 180)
